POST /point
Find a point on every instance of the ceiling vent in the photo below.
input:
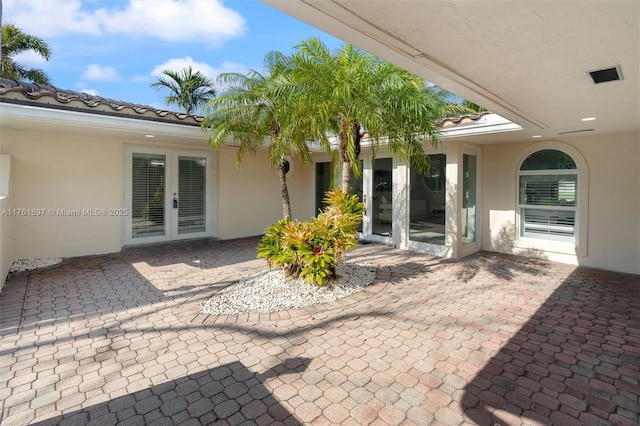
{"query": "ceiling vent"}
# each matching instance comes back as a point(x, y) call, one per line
point(605, 74)
point(575, 131)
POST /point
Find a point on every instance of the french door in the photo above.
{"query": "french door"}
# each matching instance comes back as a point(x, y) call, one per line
point(169, 194)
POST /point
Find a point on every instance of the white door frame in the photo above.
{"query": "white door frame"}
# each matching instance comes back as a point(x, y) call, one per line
point(422, 247)
point(171, 186)
point(473, 247)
point(367, 184)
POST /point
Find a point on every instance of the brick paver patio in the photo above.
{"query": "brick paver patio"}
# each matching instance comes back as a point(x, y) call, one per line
point(490, 340)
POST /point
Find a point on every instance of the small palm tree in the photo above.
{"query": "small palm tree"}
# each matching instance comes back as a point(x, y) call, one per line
point(351, 94)
point(258, 108)
point(14, 41)
point(189, 90)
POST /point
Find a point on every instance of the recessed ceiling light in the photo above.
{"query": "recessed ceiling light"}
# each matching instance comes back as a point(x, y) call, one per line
point(536, 136)
point(149, 136)
point(588, 119)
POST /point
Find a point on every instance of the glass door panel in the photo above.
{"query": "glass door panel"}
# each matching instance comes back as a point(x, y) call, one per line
point(469, 198)
point(148, 195)
point(323, 184)
point(168, 193)
point(427, 203)
point(356, 187)
point(382, 197)
point(191, 196)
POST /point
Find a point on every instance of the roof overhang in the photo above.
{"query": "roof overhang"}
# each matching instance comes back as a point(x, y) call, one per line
point(30, 117)
point(527, 61)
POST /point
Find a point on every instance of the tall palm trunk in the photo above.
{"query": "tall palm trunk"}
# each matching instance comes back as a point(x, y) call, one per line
point(346, 175)
point(347, 137)
point(286, 202)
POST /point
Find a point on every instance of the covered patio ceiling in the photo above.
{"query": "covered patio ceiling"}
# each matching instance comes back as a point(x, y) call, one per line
point(527, 60)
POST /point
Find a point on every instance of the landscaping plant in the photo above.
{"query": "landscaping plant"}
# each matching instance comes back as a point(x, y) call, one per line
point(311, 250)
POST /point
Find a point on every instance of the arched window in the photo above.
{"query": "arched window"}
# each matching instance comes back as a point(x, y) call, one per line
point(548, 196)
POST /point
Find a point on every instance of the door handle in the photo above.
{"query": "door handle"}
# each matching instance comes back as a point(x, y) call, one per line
point(175, 200)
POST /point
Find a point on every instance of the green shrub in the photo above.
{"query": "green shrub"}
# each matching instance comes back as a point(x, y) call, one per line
point(311, 250)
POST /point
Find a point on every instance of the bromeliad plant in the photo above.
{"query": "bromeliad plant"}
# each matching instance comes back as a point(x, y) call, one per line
point(311, 250)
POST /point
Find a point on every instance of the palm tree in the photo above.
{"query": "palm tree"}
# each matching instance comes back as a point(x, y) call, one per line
point(189, 90)
point(411, 117)
point(14, 41)
point(352, 95)
point(472, 107)
point(258, 108)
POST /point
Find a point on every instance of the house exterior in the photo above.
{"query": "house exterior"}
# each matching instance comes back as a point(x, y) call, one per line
point(86, 175)
point(83, 175)
point(566, 186)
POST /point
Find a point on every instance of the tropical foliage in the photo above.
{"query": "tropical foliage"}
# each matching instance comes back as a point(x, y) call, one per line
point(354, 95)
point(311, 250)
point(14, 41)
point(188, 89)
point(472, 107)
point(318, 95)
point(257, 109)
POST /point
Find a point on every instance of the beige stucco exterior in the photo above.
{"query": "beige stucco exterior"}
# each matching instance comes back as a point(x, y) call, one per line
point(55, 172)
point(613, 232)
point(54, 175)
point(6, 235)
point(58, 173)
point(249, 198)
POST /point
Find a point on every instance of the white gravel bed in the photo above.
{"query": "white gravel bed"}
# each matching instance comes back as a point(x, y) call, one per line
point(22, 265)
point(270, 291)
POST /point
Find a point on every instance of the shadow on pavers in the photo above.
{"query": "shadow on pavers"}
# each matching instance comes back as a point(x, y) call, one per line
point(576, 361)
point(228, 393)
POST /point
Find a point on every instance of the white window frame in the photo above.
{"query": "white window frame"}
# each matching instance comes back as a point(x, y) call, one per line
point(579, 245)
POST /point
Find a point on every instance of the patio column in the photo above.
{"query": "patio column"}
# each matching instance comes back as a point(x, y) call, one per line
point(453, 198)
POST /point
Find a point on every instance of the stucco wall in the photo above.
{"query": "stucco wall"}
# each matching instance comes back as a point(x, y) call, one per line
point(57, 172)
point(6, 232)
point(249, 198)
point(65, 172)
point(613, 203)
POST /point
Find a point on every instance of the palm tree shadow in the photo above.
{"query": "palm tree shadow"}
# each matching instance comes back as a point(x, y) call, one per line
point(230, 393)
point(500, 265)
point(575, 361)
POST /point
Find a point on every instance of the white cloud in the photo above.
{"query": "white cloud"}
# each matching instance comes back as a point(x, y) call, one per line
point(82, 87)
point(209, 21)
point(92, 92)
point(178, 64)
point(29, 57)
point(49, 18)
point(206, 21)
point(95, 72)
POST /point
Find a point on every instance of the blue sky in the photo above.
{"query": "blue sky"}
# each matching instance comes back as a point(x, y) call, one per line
point(113, 48)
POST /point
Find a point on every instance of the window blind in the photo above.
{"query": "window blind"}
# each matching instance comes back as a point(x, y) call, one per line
point(191, 195)
point(148, 195)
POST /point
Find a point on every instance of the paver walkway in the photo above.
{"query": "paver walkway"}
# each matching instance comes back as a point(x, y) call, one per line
point(490, 340)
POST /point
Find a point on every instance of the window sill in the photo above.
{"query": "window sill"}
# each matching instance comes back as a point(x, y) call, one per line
point(547, 246)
